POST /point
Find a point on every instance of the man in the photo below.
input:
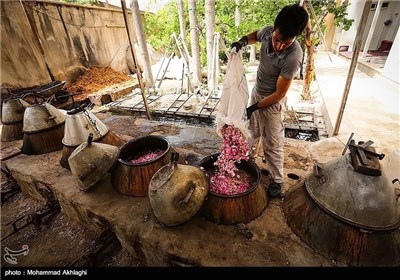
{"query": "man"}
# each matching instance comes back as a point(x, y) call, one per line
point(280, 59)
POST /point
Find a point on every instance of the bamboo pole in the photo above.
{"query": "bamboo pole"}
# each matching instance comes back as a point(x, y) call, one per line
point(359, 36)
point(138, 73)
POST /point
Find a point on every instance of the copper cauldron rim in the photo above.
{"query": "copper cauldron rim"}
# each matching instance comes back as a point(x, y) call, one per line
point(250, 190)
point(124, 162)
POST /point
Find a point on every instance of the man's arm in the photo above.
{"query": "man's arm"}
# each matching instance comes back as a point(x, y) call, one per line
point(252, 38)
point(244, 41)
point(282, 86)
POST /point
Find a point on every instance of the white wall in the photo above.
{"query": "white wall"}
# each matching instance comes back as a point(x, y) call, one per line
point(392, 65)
point(382, 32)
point(346, 38)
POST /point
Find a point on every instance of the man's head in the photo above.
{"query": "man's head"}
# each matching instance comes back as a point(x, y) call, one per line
point(289, 23)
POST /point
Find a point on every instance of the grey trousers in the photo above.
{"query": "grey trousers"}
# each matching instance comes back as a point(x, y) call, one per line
point(267, 125)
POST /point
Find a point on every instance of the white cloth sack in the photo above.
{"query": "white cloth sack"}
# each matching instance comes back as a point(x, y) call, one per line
point(231, 109)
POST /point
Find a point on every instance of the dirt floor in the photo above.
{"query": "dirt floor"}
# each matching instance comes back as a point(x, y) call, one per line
point(56, 241)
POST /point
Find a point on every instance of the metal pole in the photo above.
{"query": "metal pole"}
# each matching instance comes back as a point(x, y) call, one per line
point(359, 36)
point(137, 69)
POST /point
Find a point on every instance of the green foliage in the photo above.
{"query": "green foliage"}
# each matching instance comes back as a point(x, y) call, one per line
point(323, 7)
point(160, 26)
point(340, 14)
point(255, 14)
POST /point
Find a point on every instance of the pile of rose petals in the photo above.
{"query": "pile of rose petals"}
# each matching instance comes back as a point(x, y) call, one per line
point(227, 180)
point(148, 156)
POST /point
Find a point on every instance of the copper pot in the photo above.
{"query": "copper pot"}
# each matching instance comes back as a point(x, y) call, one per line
point(133, 178)
point(13, 110)
point(177, 192)
point(39, 117)
point(43, 128)
point(79, 123)
point(12, 115)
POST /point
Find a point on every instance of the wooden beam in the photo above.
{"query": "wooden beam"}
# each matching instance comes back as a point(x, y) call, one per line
point(137, 69)
point(354, 59)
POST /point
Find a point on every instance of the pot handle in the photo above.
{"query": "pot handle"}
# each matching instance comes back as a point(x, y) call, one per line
point(35, 95)
point(90, 139)
point(174, 159)
point(396, 190)
point(172, 166)
point(316, 171)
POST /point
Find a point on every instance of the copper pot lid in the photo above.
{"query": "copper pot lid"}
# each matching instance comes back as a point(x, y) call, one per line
point(40, 117)
point(369, 202)
point(177, 192)
point(79, 124)
point(13, 110)
point(90, 161)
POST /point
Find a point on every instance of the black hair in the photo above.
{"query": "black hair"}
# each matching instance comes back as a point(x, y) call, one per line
point(291, 20)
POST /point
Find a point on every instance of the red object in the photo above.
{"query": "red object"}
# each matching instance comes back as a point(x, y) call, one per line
point(343, 48)
point(385, 46)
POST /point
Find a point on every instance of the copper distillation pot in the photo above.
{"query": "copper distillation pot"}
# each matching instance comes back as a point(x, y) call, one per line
point(348, 209)
point(12, 116)
point(177, 192)
point(79, 123)
point(43, 128)
point(90, 161)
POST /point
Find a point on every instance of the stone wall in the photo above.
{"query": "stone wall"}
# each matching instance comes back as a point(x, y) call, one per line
point(72, 38)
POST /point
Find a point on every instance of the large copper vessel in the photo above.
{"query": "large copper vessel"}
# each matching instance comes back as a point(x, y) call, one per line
point(90, 161)
point(133, 179)
point(239, 208)
point(177, 192)
point(43, 128)
point(79, 123)
point(348, 209)
point(12, 116)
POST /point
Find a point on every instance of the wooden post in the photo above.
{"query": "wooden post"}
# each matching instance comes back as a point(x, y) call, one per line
point(359, 36)
point(138, 73)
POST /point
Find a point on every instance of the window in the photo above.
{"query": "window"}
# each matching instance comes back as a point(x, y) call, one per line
point(384, 5)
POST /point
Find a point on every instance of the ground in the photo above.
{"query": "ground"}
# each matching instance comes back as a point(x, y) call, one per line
point(57, 242)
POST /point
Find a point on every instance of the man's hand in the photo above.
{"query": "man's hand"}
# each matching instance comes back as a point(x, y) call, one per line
point(240, 44)
point(237, 45)
point(250, 110)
